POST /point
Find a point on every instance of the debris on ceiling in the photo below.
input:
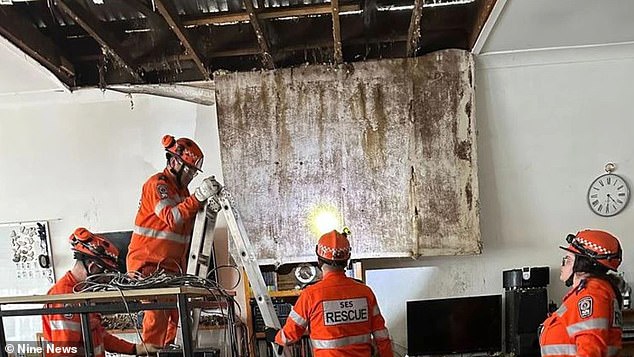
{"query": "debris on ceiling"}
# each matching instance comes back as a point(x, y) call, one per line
point(88, 43)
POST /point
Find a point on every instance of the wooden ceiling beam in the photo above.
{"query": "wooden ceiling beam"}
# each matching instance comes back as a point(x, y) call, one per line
point(336, 31)
point(296, 11)
point(315, 45)
point(413, 37)
point(486, 16)
point(30, 40)
point(93, 27)
point(171, 17)
point(260, 33)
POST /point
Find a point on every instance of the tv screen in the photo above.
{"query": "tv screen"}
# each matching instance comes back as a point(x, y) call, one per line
point(454, 325)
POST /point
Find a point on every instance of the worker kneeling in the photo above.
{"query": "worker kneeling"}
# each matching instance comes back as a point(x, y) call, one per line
point(94, 255)
point(342, 313)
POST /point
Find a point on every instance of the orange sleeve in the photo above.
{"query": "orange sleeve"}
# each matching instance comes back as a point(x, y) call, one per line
point(163, 201)
point(62, 331)
point(296, 323)
point(591, 326)
point(379, 330)
point(113, 343)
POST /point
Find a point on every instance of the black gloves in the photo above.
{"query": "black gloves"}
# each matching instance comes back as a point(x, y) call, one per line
point(270, 333)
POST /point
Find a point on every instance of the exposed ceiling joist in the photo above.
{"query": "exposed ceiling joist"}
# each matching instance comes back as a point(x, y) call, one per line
point(336, 31)
point(414, 28)
point(298, 11)
point(260, 33)
point(30, 40)
point(106, 40)
point(171, 17)
point(488, 14)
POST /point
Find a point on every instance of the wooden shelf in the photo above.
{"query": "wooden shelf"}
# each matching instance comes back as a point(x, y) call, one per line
point(281, 293)
point(200, 328)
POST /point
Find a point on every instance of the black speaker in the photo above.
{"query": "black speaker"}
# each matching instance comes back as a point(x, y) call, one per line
point(525, 310)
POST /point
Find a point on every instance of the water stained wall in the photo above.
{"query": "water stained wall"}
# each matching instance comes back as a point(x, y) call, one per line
point(390, 143)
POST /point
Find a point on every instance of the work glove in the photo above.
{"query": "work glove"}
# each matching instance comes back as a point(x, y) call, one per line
point(270, 333)
point(146, 349)
point(207, 188)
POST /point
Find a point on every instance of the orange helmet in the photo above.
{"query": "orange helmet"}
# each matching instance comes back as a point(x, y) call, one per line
point(334, 246)
point(600, 246)
point(95, 248)
point(186, 150)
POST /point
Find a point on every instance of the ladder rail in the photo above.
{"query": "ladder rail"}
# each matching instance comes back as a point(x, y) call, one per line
point(246, 257)
point(199, 256)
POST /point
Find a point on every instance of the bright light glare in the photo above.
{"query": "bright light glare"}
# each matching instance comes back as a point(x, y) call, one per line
point(324, 218)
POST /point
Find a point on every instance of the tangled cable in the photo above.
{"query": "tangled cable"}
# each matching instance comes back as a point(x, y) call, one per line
point(162, 279)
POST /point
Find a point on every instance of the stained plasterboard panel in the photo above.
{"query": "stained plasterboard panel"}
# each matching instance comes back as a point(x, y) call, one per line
point(390, 143)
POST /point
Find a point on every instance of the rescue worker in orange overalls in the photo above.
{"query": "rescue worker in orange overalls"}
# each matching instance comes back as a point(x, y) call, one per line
point(340, 313)
point(164, 225)
point(94, 255)
point(588, 322)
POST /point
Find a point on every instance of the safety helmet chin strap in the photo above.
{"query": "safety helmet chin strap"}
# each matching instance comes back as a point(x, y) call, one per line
point(570, 279)
point(177, 173)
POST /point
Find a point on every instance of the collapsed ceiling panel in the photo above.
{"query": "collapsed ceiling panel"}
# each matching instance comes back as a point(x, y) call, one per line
point(389, 145)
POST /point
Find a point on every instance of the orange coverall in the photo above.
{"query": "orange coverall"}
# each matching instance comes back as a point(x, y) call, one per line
point(64, 331)
point(162, 232)
point(342, 316)
point(588, 323)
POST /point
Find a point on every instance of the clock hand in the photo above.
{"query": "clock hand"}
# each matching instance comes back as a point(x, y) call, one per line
point(610, 197)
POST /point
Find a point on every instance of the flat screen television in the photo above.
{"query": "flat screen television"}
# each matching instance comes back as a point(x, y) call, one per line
point(454, 325)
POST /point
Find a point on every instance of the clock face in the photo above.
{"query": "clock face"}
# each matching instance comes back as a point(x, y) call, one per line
point(306, 273)
point(608, 195)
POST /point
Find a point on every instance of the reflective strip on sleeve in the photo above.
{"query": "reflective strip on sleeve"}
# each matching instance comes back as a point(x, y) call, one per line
point(178, 219)
point(65, 325)
point(283, 337)
point(558, 350)
point(99, 350)
point(340, 342)
point(592, 324)
point(298, 319)
point(376, 310)
point(162, 204)
point(562, 310)
point(381, 334)
point(152, 233)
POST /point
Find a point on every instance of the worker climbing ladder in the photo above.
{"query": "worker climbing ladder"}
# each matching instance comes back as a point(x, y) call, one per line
point(201, 253)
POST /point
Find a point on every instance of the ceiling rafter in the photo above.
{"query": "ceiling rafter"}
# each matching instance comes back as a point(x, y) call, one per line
point(92, 26)
point(267, 14)
point(30, 40)
point(336, 31)
point(172, 19)
point(260, 34)
point(487, 13)
point(313, 45)
point(414, 29)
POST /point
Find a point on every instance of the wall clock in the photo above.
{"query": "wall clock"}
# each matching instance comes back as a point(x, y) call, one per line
point(608, 194)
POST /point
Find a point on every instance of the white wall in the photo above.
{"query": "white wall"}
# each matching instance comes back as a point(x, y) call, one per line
point(547, 124)
point(81, 159)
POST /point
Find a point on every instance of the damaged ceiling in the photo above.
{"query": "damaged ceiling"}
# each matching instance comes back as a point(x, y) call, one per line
point(87, 43)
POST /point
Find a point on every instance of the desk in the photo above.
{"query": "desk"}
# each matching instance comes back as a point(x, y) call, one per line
point(112, 301)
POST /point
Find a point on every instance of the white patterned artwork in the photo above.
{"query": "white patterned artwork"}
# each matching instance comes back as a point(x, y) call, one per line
point(29, 252)
point(27, 269)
